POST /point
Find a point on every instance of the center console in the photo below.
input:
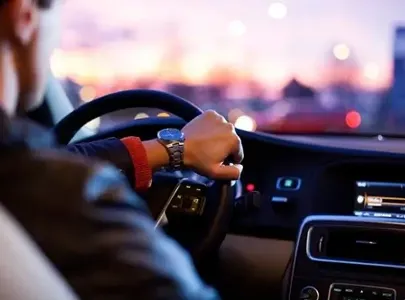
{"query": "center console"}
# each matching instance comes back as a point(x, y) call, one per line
point(349, 258)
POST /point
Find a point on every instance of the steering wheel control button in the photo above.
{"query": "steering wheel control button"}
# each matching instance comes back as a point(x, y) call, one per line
point(189, 200)
point(288, 183)
point(177, 202)
point(309, 293)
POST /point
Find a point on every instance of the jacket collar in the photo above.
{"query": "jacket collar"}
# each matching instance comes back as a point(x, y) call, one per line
point(22, 133)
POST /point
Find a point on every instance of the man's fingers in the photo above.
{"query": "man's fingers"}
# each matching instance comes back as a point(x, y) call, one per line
point(237, 152)
point(227, 172)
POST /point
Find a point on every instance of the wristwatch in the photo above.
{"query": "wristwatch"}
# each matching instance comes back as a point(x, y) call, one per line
point(173, 140)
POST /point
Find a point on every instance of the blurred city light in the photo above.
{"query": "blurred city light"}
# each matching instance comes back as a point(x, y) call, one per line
point(87, 93)
point(353, 119)
point(195, 67)
point(341, 51)
point(237, 28)
point(245, 123)
point(241, 63)
point(163, 115)
point(141, 116)
point(234, 114)
point(277, 10)
point(371, 71)
point(93, 124)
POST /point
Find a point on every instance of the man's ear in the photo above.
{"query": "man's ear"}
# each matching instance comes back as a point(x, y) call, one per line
point(24, 15)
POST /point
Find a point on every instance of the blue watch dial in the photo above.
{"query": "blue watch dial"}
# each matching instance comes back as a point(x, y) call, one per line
point(171, 134)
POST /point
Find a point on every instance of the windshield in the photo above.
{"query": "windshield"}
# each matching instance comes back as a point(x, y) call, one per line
point(274, 66)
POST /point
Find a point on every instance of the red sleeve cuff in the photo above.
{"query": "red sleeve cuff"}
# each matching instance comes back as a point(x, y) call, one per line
point(142, 170)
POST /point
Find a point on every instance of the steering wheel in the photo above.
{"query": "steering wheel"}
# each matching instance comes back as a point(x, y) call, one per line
point(198, 211)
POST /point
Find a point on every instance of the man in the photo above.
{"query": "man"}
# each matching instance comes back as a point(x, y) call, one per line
point(81, 213)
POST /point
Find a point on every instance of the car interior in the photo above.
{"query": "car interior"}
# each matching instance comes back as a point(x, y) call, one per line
point(314, 216)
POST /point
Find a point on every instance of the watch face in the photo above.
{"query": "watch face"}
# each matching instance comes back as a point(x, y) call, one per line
point(171, 134)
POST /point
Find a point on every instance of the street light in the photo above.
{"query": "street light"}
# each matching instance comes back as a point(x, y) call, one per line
point(237, 28)
point(341, 51)
point(277, 10)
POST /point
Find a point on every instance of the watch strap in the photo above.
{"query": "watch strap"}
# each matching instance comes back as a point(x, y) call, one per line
point(175, 149)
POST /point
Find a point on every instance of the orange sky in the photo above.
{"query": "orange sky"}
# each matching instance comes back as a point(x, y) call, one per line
point(186, 39)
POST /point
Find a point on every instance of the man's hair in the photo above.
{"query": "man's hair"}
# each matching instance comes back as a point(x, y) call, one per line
point(40, 3)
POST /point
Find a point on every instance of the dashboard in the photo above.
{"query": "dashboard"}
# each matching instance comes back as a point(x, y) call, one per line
point(308, 179)
point(345, 182)
point(343, 208)
point(297, 175)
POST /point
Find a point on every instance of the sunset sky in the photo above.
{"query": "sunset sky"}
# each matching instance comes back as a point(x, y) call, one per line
point(103, 39)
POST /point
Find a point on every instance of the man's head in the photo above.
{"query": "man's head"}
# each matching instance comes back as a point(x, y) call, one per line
point(29, 31)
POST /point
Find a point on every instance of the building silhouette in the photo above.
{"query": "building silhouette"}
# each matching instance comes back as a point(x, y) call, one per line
point(296, 89)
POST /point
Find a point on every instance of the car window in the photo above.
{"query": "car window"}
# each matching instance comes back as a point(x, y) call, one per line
point(275, 66)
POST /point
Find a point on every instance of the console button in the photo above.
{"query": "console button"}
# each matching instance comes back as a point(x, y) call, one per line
point(361, 293)
point(280, 200)
point(358, 292)
point(373, 293)
point(309, 293)
point(387, 295)
point(336, 292)
point(288, 183)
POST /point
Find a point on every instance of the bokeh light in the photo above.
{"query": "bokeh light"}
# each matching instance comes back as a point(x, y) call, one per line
point(87, 93)
point(353, 119)
point(237, 28)
point(371, 71)
point(245, 123)
point(341, 51)
point(277, 10)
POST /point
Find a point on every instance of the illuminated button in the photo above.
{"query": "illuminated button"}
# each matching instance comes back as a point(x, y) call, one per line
point(250, 187)
point(388, 295)
point(195, 204)
point(289, 183)
point(372, 293)
point(276, 199)
point(336, 292)
point(177, 202)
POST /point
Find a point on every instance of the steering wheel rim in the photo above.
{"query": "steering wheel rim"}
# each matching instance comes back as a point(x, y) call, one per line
point(66, 129)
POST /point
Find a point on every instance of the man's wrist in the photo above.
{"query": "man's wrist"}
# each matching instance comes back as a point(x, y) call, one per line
point(157, 154)
point(187, 153)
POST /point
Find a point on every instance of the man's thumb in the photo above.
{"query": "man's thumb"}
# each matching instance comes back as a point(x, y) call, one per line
point(227, 172)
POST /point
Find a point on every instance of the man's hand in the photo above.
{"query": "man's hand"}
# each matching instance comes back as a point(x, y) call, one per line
point(210, 140)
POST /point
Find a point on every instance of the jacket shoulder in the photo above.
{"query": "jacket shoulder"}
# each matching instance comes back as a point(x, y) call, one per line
point(59, 180)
